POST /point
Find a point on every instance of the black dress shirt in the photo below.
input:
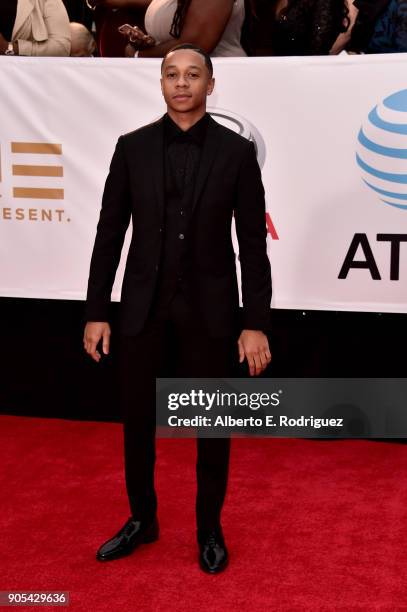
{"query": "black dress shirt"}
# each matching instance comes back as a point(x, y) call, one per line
point(8, 11)
point(182, 152)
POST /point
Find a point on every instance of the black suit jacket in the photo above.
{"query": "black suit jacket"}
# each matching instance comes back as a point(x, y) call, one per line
point(228, 182)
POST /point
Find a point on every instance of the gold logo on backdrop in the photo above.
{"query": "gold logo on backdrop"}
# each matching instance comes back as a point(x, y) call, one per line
point(43, 148)
point(36, 191)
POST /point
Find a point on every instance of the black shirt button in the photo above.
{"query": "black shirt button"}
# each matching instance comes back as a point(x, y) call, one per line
point(181, 236)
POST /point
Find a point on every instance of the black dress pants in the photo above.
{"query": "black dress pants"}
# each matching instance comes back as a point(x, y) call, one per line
point(171, 336)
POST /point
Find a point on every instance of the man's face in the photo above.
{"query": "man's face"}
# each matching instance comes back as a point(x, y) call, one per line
point(185, 81)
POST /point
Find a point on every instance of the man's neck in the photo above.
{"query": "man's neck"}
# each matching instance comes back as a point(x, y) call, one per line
point(186, 120)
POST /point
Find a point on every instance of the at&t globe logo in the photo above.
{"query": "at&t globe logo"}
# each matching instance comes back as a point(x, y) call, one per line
point(382, 150)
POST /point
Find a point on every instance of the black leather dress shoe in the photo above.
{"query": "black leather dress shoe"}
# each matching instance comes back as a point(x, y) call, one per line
point(127, 539)
point(213, 554)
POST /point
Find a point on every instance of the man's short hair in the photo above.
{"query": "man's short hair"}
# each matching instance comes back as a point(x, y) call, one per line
point(82, 42)
point(191, 47)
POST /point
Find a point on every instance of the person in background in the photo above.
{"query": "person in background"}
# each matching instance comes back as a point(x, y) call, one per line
point(344, 38)
point(108, 16)
point(307, 27)
point(255, 32)
point(213, 25)
point(34, 27)
point(381, 27)
point(82, 42)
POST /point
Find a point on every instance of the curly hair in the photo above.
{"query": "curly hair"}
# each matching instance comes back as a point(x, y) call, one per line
point(342, 12)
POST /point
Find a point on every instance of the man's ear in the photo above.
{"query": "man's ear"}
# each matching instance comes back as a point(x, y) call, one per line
point(161, 83)
point(211, 86)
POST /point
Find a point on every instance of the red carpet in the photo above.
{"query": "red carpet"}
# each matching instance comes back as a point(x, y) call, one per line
point(310, 525)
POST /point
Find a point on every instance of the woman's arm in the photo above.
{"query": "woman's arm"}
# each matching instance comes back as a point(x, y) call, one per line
point(204, 25)
point(344, 37)
point(59, 34)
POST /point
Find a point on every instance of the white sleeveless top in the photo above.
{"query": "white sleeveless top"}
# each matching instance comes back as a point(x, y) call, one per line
point(159, 16)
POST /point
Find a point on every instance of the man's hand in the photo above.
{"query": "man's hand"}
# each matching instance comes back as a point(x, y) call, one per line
point(94, 331)
point(254, 346)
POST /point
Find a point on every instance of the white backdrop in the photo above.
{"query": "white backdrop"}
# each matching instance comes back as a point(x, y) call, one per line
point(305, 115)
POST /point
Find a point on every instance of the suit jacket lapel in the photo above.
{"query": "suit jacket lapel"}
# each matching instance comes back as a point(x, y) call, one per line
point(209, 150)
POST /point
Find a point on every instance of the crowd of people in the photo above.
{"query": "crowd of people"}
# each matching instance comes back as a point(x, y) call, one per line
point(149, 28)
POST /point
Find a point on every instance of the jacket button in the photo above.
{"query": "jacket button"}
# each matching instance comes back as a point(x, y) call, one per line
point(181, 236)
point(156, 268)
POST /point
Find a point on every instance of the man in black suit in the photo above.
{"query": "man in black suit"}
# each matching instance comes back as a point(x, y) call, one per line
point(180, 179)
